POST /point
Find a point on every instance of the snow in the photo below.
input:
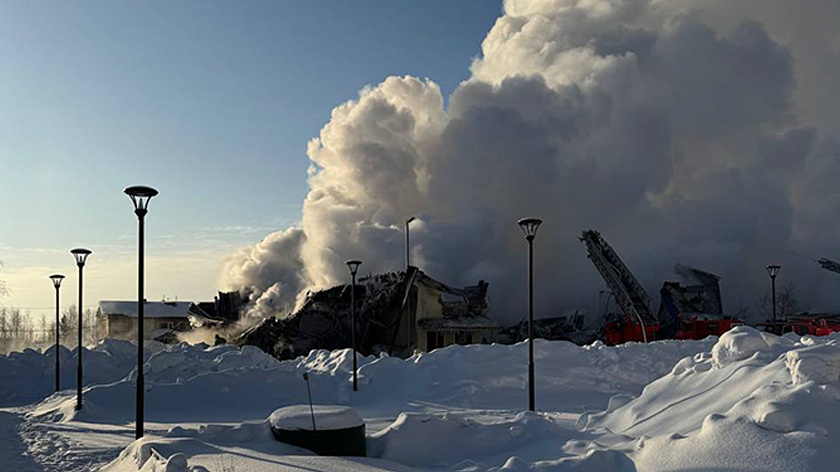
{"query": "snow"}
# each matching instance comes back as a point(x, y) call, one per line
point(758, 402)
point(327, 417)
point(746, 401)
point(423, 439)
point(29, 376)
point(739, 344)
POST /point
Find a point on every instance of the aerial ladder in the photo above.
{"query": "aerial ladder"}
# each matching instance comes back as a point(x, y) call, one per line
point(628, 292)
point(830, 265)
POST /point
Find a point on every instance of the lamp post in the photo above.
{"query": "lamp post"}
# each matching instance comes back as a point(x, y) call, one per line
point(140, 197)
point(773, 271)
point(353, 265)
point(407, 256)
point(56, 280)
point(81, 255)
point(529, 227)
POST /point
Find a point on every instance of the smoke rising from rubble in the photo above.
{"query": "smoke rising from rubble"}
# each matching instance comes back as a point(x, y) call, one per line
point(680, 130)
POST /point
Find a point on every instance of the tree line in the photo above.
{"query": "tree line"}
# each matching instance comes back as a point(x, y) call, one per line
point(19, 329)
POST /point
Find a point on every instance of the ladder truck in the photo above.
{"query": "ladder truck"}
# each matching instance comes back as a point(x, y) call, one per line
point(638, 323)
point(814, 325)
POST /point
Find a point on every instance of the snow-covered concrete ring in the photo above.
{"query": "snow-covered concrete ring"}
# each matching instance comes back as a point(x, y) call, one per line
point(327, 430)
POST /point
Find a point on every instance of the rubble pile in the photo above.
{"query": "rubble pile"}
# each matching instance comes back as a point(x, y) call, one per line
point(560, 328)
point(324, 320)
point(396, 313)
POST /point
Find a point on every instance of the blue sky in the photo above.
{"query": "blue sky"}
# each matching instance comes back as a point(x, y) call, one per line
point(210, 102)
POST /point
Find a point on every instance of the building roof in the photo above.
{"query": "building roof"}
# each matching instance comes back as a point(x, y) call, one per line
point(150, 310)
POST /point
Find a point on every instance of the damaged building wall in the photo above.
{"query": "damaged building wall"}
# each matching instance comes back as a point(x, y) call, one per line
point(446, 315)
point(699, 295)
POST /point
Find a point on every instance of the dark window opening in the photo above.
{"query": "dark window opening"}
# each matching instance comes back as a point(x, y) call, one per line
point(434, 340)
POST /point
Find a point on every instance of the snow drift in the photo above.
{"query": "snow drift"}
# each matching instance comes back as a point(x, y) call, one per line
point(757, 401)
point(746, 401)
point(188, 383)
point(29, 376)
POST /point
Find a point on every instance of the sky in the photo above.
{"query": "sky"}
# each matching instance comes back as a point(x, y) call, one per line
point(288, 137)
point(212, 103)
point(698, 132)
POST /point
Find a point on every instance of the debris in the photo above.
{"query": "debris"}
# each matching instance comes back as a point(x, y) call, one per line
point(397, 313)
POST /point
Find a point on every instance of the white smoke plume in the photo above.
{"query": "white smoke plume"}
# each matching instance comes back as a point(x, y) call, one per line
point(693, 132)
point(270, 273)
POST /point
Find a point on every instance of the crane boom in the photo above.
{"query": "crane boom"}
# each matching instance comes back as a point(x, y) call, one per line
point(628, 292)
point(828, 264)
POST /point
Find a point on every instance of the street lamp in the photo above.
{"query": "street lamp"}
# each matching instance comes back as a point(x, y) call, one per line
point(773, 271)
point(353, 265)
point(140, 196)
point(407, 258)
point(81, 255)
point(529, 227)
point(56, 280)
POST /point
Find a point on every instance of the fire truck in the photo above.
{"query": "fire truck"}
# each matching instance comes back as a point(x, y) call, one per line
point(636, 322)
point(807, 323)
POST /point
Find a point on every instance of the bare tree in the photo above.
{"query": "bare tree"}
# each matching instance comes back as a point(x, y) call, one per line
point(4, 324)
point(43, 330)
point(3, 290)
point(68, 325)
point(787, 302)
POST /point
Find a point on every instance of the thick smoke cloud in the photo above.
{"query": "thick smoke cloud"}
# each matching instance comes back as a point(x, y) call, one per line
point(678, 132)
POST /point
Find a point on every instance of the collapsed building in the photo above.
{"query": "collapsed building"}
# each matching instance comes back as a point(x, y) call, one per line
point(570, 327)
point(396, 312)
point(225, 309)
point(700, 296)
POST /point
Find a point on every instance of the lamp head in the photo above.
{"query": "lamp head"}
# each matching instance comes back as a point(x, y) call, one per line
point(410, 220)
point(773, 270)
point(140, 196)
point(353, 265)
point(81, 255)
point(56, 280)
point(529, 227)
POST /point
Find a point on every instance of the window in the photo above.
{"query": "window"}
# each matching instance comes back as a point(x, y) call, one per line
point(434, 340)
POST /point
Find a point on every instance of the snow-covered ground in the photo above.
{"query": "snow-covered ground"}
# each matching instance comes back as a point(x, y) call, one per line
point(749, 401)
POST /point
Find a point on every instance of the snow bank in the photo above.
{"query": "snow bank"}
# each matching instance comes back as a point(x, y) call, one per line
point(427, 440)
point(29, 376)
point(746, 401)
point(568, 377)
point(740, 343)
point(225, 383)
point(171, 452)
point(247, 447)
point(756, 401)
point(820, 364)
